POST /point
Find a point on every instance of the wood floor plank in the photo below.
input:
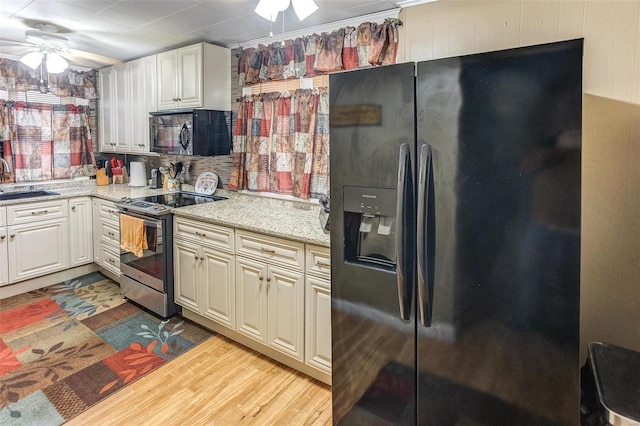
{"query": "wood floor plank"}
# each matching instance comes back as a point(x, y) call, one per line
point(218, 382)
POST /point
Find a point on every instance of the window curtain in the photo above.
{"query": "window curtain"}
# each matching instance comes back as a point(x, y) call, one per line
point(281, 144)
point(45, 142)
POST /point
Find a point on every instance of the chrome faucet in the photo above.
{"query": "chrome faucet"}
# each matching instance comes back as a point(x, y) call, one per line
point(7, 169)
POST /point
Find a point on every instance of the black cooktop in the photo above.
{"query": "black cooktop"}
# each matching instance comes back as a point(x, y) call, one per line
point(162, 203)
point(180, 199)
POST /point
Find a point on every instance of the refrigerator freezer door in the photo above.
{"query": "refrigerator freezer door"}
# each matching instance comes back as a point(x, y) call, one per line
point(372, 129)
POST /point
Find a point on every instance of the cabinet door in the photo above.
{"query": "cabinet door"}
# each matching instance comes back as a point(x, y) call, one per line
point(218, 286)
point(285, 290)
point(97, 229)
point(251, 299)
point(122, 106)
point(107, 110)
point(81, 231)
point(4, 257)
point(185, 262)
point(190, 76)
point(167, 63)
point(317, 346)
point(149, 83)
point(38, 248)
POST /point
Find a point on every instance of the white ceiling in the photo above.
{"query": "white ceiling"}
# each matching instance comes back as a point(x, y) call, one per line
point(129, 29)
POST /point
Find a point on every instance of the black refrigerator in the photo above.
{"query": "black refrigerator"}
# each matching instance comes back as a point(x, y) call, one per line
point(455, 239)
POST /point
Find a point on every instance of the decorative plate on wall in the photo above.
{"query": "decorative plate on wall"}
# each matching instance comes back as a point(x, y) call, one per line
point(207, 183)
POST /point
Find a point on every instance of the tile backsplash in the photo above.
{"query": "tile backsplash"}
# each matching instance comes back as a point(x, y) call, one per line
point(193, 165)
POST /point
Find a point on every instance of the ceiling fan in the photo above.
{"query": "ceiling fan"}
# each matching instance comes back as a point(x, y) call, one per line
point(51, 48)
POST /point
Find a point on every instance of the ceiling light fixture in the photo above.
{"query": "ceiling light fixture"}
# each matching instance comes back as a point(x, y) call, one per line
point(269, 9)
point(54, 62)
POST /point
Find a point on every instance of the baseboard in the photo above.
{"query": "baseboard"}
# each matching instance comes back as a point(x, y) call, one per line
point(46, 280)
point(257, 346)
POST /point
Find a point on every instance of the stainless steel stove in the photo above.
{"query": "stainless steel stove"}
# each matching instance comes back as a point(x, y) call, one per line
point(147, 274)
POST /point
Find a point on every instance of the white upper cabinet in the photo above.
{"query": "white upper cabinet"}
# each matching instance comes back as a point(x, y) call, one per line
point(127, 96)
point(196, 76)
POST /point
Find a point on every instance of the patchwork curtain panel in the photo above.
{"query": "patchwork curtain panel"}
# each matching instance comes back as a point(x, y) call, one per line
point(45, 142)
point(281, 143)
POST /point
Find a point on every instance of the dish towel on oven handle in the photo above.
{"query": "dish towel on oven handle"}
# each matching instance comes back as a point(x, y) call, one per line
point(133, 235)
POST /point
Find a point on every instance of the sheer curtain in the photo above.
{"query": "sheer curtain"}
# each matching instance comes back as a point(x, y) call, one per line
point(45, 142)
point(281, 143)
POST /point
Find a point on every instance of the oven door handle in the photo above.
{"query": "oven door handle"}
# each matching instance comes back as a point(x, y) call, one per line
point(147, 221)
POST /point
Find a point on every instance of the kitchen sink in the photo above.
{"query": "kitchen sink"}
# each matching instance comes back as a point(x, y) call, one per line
point(25, 194)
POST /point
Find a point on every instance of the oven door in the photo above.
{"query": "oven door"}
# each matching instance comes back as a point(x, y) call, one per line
point(149, 269)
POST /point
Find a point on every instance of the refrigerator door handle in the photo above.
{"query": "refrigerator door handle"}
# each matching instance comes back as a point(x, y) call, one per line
point(424, 174)
point(401, 207)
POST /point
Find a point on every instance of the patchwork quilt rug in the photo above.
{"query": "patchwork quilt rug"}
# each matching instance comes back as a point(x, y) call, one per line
point(66, 347)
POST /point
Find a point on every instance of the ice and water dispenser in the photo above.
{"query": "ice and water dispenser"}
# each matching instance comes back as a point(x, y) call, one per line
point(369, 222)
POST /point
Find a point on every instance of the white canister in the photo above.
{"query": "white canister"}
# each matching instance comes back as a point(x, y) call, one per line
point(138, 174)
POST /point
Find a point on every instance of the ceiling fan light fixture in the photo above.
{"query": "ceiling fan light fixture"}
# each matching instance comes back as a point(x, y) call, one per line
point(56, 63)
point(269, 9)
point(304, 8)
point(32, 59)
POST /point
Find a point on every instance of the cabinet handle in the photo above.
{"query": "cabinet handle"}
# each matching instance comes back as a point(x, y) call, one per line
point(260, 277)
point(200, 234)
point(268, 250)
point(40, 213)
point(269, 279)
point(323, 264)
point(196, 257)
point(112, 261)
point(73, 208)
point(111, 234)
point(12, 236)
point(3, 237)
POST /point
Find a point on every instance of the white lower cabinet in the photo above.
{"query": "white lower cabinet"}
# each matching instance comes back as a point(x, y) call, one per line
point(106, 235)
point(317, 347)
point(80, 231)
point(4, 256)
point(270, 292)
point(37, 239)
point(204, 265)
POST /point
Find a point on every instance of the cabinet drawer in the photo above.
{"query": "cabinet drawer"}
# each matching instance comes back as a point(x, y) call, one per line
point(3, 216)
point(270, 249)
point(109, 233)
point(108, 210)
point(318, 261)
point(204, 233)
point(110, 259)
point(32, 212)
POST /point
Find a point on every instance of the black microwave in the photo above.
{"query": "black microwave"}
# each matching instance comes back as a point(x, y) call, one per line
point(191, 132)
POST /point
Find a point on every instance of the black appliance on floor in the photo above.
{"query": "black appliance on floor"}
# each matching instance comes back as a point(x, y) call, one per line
point(455, 238)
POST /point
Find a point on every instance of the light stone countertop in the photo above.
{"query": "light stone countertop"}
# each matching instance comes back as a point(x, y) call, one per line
point(293, 220)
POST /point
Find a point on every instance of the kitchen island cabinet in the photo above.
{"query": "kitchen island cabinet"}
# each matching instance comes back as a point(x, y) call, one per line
point(38, 239)
point(195, 76)
point(204, 266)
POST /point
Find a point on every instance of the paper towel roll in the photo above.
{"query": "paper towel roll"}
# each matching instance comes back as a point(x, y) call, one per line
point(138, 174)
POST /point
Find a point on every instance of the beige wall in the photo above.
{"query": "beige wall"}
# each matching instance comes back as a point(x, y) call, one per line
point(611, 129)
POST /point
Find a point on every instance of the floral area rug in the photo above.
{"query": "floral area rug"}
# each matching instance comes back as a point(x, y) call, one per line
point(66, 347)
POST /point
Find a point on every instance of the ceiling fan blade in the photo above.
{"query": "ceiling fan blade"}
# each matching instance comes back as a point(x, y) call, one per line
point(107, 60)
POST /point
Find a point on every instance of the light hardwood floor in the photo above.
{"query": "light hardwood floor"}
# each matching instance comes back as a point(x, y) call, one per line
point(219, 382)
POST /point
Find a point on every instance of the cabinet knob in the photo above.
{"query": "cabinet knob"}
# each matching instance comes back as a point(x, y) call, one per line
point(269, 279)
point(260, 277)
point(2, 237)
point(196, 257)
point(73, 208)
point(12, 236)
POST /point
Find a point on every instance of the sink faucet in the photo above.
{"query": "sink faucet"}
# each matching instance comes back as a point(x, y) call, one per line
point(7, 169)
